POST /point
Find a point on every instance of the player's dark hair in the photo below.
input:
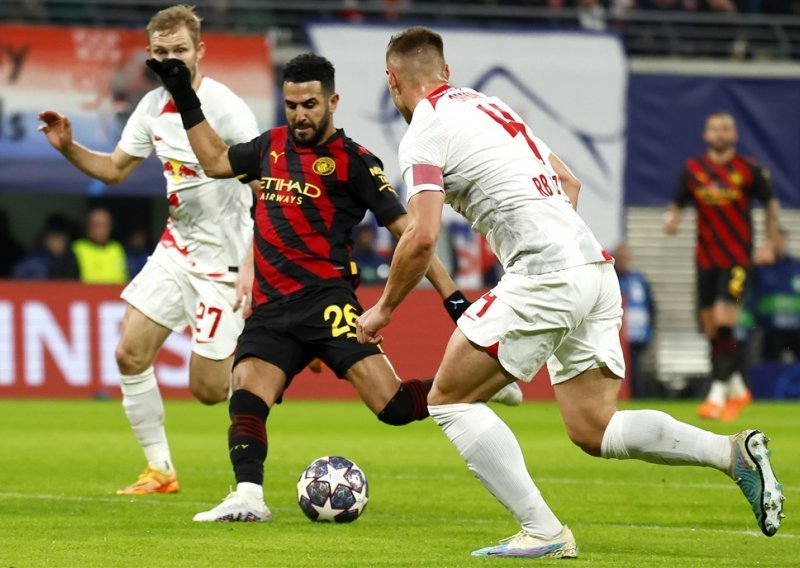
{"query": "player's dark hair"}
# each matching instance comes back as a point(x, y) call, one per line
point(310, 67)
point(721, 114)
point(417, 39)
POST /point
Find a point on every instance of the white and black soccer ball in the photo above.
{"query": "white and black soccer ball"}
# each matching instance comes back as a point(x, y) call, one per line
point(332, 489)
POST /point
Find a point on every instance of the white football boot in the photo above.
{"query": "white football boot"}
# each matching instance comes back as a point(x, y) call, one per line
point(527, 545)
point(236, 507)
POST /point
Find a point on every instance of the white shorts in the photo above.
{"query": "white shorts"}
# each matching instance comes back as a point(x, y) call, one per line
point(177, 298)
point(569, 319)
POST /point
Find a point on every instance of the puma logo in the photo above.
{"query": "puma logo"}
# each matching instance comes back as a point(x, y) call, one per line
point(456, 302)
point(275, 156)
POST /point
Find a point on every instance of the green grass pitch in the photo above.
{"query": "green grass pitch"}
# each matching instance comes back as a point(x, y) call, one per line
point(60, 463)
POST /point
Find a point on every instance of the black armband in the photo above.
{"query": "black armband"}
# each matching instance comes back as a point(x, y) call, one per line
point(456, 304)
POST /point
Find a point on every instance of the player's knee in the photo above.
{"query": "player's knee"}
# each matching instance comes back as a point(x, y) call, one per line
point(586, 437)
point(407, 405)
point(395, 414)
point(588, 444)
point(209, 392)
point(129, 361)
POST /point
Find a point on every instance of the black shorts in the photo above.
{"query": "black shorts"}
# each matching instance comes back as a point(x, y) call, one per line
point(726, 284)
point(318, 324)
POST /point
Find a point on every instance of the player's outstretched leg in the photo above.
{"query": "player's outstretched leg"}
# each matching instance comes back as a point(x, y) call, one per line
point(752, 471)
point(656, 437)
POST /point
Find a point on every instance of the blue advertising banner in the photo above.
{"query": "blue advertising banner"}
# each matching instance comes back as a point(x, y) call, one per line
point(666, 115)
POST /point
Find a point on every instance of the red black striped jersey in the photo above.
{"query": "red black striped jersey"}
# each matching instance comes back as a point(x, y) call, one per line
point(309, 201)
point(722, 195)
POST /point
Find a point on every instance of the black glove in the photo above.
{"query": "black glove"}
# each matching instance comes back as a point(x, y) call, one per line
point(456, 304)
point(177, 79)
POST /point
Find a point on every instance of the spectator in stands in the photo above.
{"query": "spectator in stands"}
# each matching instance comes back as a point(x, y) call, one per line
point(639, 317)
point(776, 302)
point(10, 250)
point(53, 258)
point(137, 251)
point(591, 15)
point(722, 185)
point(373, 266)
point(101, 260)
point(491, 269)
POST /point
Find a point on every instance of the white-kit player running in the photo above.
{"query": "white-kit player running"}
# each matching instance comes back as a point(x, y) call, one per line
point(558, 302)
point(191, 277)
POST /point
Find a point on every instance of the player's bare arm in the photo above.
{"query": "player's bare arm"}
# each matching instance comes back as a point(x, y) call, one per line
point(570, 183)
point(437, 274)
point(411, 260)
point(110, 168)
point(244, 281)
point(672, 218)
point(210, 149)
point(766, 253)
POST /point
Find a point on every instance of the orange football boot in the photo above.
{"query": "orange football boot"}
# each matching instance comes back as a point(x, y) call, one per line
point(735, 405)
point(710, 410)
point(152, 481)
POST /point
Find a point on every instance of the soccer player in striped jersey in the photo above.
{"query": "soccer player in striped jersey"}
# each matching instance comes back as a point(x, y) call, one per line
point(721, 184)
point(558, 303)
point(316, 184)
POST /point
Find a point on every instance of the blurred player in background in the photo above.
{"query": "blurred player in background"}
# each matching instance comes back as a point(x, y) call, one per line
point(721, 184)
point(316, 186)
point(558, 302)
point(191, 278)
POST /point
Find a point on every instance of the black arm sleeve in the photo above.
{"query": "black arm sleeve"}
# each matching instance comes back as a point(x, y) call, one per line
point(683, 195)
point(762, 184)
point(371, 186)
point(245, 158)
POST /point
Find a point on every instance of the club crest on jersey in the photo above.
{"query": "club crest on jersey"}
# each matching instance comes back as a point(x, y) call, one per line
point(324, 166)
point(179, 171)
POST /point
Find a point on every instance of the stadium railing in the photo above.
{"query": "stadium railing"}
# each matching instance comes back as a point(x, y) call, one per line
point(648, 33)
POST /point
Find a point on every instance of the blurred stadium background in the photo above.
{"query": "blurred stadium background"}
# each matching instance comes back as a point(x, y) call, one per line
point(620, 89)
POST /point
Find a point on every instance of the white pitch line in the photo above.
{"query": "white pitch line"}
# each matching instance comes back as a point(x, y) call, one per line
point(682, 529)
point(146, 500)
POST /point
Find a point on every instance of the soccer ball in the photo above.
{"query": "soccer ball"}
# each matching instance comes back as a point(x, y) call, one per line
point(332, 489)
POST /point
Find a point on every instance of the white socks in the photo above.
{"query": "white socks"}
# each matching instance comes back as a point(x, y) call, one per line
point(736, 386)
point(141, 400)
point(656, 437)
point(718, 393)
point(495, 458)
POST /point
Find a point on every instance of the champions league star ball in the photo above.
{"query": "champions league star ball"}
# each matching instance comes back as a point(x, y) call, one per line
point(332, 489)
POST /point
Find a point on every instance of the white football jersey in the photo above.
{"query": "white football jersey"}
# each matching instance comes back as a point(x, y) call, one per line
point(209, 222)
point(498, 175)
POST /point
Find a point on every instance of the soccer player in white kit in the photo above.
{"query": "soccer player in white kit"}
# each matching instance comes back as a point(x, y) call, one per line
point(558, 303)
point(191, 277)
